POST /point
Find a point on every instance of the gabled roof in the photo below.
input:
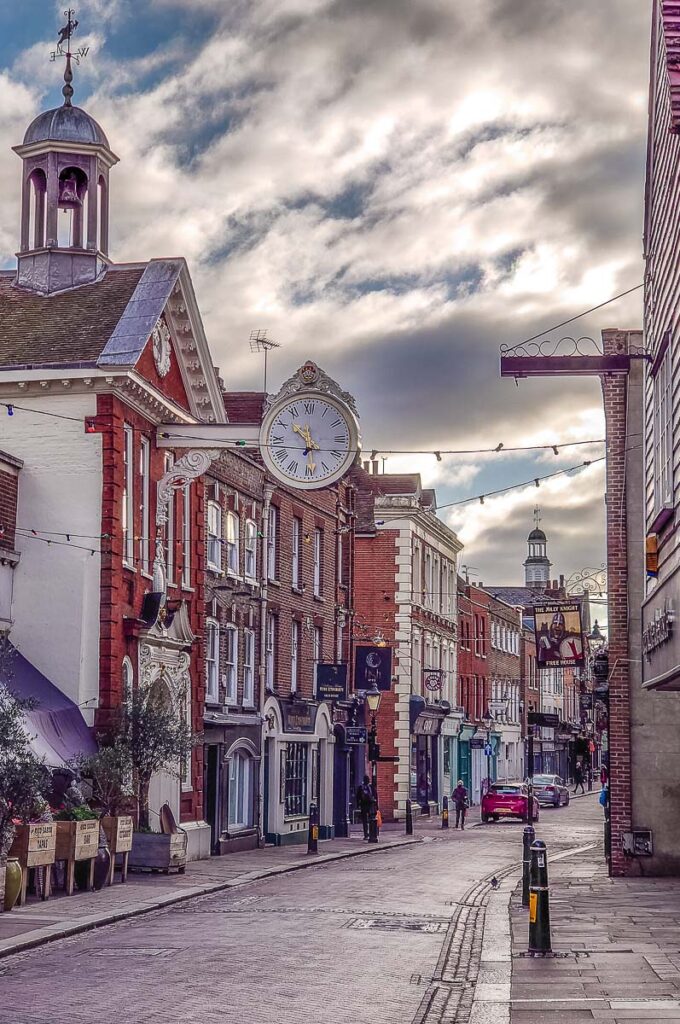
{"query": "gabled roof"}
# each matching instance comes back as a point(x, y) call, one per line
point(69, 328)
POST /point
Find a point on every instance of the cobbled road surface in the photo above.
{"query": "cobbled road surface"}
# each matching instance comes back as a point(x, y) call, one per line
point(390, 938)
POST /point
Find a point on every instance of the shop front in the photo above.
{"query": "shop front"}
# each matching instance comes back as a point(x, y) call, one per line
point(231, 780)
point(450, 731)
point(427, 753)
point(465, 735)
point(298, 769)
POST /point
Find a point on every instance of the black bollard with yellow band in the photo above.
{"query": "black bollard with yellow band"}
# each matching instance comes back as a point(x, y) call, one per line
point(445, 812)
point(409, 818)
point(539, 900)
point(313, 834)
point(528, 837)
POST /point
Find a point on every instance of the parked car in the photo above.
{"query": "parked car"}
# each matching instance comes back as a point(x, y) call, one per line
point(507, 800)
point(550, 789)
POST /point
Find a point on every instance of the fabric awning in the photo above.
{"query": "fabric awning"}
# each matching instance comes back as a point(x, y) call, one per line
point(56, 728)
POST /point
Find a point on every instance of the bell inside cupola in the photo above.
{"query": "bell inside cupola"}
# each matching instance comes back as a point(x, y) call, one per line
point(68, 189)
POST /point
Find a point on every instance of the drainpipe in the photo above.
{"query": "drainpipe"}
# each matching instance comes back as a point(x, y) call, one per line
point(262, 668)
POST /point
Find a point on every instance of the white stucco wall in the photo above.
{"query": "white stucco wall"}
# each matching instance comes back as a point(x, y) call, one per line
point(57, 586)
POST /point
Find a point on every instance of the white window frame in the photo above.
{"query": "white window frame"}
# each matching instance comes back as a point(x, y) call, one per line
point(295, 646)
point(318, 561)
point(296, 559)
point(128, 509)
point(230, 663)
point(663, 433)
point(317, 650)
point(241, 775)
point(170, 527)
point(270, 653)
point(248, 667)
point(250, 555)
point(212, 661)
point(272, 541)
point(145, 502)
point(232, 545)
point(186, 536)
point(214, 542)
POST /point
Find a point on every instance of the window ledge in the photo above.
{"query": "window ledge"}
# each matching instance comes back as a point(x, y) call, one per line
point(128, 567)
point(663, 517)
point(319, 598)
point(296, 589)
point(274, 583)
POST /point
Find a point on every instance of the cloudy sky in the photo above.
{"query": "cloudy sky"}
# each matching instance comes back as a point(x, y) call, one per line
point(392, 187)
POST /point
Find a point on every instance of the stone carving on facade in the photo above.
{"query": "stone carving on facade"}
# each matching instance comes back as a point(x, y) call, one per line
point(161, 347)
point(186, 469)
point(310, 377)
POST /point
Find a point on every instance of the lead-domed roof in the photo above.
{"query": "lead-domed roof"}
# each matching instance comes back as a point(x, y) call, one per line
point(536, 535)
point(65, 124)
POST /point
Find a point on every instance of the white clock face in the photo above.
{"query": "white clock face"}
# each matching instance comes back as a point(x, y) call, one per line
point(309, 441)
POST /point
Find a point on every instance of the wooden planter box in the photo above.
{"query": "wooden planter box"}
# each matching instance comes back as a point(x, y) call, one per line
point(77, 840)
point(154, 851)
point(119, 832)
point(35, 846)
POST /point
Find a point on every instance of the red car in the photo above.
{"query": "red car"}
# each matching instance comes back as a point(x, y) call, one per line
point(507, 800)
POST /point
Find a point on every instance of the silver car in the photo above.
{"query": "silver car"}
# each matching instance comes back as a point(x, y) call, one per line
point(550, 789)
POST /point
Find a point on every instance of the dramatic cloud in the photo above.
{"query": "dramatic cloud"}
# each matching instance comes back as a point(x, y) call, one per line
point(395, 189)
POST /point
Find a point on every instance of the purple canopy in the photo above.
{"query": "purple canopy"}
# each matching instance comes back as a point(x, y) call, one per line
point(56, 728)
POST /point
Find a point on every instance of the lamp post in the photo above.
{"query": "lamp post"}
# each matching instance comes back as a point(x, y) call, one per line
point(487, 722)
point(373, 702)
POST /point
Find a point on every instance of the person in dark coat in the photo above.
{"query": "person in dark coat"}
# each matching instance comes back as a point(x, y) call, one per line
point(578, 777)
point(461, 803)
point(364, 802)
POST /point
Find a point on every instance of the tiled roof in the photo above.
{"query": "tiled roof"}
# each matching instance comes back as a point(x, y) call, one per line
point(67, 328)
point(244, 406)
point(396, 483)
point(523, 597)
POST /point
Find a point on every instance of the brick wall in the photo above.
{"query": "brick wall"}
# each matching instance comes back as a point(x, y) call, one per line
point(9, 484)
point(615, 394)
point(123, 589)
point(473, 650)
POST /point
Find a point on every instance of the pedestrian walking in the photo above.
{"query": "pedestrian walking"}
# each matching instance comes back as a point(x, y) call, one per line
point(364, 802)
point(461, 803)
point(578, 778)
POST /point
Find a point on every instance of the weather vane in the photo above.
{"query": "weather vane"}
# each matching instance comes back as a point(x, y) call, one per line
point(65, 36)
point(537, 517)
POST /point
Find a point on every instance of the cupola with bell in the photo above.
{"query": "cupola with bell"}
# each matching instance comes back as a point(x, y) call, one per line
point(65, 189)
point(537, 564)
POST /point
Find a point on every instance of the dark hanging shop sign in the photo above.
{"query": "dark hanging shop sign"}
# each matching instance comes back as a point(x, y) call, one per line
point(331, 682)
point(544, 719)
point(298, 717)
point(372, 665)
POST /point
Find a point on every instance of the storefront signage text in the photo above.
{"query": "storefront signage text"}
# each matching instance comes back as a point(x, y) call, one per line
point(658, 632)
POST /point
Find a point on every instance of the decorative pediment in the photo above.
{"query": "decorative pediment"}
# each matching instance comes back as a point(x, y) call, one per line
point(310, 377)
point(171, 629)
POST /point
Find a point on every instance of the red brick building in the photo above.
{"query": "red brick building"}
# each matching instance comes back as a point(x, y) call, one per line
point(474, 692)
point(405, 598)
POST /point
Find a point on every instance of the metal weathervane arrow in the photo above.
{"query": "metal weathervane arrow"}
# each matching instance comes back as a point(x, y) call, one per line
point(71, 56)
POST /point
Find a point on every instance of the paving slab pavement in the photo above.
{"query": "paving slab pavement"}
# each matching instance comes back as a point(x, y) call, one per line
point(617, 946)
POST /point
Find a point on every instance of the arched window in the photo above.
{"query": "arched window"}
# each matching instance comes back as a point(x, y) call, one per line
point(128, 680)
point(102, 216)
point(241, 789)
point(36, 223)
point(72, 207)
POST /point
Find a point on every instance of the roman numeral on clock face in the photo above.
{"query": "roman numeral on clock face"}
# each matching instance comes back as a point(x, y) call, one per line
point(292, 466)
point(309, 470)
point(339, 438)
point(309, 408)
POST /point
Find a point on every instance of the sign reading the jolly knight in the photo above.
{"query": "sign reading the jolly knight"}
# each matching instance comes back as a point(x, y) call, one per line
point(310, 434)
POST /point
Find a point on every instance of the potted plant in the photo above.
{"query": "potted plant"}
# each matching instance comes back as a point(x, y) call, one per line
point(23, 779)
point(157, 739)
point(109, 775)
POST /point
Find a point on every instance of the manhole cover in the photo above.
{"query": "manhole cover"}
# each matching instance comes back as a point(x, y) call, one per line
point(130, 951)
point(384, 924)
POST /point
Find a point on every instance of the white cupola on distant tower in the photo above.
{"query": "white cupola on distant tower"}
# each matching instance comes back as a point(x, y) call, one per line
point(537, 565)
point(65, 196)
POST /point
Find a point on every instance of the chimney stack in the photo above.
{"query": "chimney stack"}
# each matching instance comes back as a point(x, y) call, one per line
point(374, 467)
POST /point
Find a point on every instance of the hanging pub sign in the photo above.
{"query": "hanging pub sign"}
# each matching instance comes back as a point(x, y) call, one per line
point(331, 682)
point(559, 637)
point(433, 679)
point(372, 665)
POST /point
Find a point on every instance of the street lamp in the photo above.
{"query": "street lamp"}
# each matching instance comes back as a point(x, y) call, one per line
point(373, 701)
point(487, 722)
